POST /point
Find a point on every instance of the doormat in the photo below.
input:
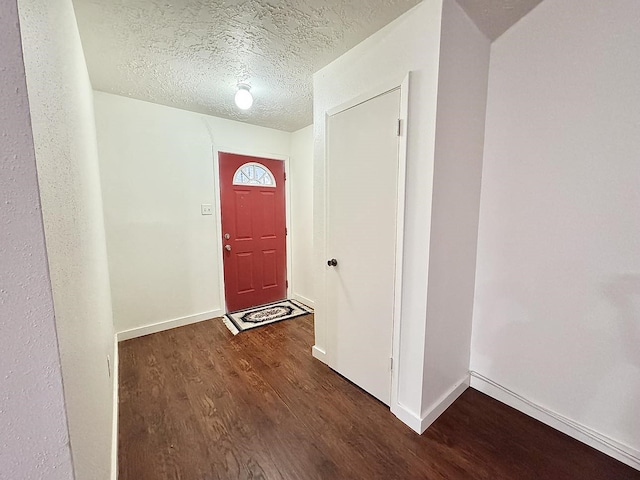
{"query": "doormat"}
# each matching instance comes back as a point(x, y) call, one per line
point(254, 317)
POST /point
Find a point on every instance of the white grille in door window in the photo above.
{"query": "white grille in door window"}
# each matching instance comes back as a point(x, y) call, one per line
point(253, 173)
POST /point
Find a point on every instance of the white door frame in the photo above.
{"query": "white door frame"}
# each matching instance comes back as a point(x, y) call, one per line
point(403, 85)
point(217, 149)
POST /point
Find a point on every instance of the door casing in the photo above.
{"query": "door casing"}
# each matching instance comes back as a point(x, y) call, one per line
point(217, 149)
point(403, 85)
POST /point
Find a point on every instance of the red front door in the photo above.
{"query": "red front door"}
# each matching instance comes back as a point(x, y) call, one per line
point(253, 230)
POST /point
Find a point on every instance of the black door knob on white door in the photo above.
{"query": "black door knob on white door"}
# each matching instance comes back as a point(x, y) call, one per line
point(332, 263)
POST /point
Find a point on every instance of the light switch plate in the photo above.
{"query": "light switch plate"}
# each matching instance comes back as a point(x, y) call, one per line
point(206, 209)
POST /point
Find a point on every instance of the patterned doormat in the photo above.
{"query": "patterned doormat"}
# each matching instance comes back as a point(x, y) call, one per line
point(264, 315)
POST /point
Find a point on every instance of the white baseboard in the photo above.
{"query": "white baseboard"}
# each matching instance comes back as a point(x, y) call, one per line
point(420, 423)
point(167, 325)
point(443, 403)
point(580, 432)
point(304, 300)
point(319, 354)
point(410, 419)
point(114, 428)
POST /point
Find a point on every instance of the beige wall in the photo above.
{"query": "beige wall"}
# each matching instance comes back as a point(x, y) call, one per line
point(558, 278)
point(301, 208)
point(157, 168)
point(462, 100)
point(33, 421)
point(61, 101)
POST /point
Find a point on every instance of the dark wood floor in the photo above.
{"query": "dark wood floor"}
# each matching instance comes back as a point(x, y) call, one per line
point(197, 403)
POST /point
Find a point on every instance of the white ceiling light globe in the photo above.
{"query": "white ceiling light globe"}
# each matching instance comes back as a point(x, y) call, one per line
point(244, 99)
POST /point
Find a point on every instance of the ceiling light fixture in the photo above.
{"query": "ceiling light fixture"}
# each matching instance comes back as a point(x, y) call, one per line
point(244, 99)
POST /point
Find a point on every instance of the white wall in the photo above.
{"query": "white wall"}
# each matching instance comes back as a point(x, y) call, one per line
point(157, 169)
point(61, 101)
point(462, 98)
point(33, 421)
point(301, 207)
point(412, 42)
point(558, 278)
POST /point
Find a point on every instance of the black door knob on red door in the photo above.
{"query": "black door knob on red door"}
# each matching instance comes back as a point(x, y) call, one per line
point(332, 263)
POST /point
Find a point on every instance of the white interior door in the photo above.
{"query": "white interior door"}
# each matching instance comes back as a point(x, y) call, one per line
point(362, 202)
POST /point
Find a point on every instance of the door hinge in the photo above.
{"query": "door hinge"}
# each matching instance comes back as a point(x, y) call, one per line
point(286, 231)
point(286, 283)
point(285, 176)
point(399, 133)
point(391, 363)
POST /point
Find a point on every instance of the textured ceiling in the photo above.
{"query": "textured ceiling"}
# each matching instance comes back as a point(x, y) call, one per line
point(494, 17)
point(191, 54)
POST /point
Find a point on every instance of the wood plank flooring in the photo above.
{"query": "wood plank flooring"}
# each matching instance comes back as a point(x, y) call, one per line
point(197, 403)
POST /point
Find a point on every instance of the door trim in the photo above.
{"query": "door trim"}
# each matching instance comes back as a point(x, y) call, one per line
point(217, 149)
point(403, 86)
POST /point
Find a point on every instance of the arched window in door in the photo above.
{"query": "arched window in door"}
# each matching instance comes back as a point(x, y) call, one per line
point(253, 173)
